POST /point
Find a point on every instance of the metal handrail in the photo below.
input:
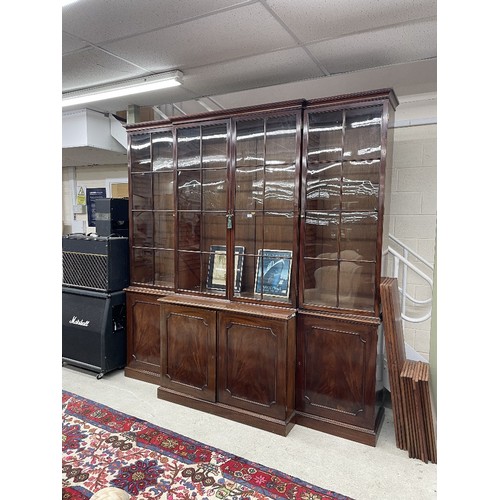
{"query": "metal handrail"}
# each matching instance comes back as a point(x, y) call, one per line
point(412, 252)
point(407, 265)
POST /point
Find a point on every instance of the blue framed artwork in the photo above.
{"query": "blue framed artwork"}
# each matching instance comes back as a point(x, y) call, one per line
point(272, 277)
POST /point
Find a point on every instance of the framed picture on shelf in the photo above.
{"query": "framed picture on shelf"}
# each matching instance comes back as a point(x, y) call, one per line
point(216, 279)
point(272, 277)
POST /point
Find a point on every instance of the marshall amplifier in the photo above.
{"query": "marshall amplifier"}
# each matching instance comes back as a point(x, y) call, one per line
point(111, 217)
point(99, 263)
point(94, 330)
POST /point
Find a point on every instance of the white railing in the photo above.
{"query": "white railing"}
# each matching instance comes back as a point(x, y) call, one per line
point(401, 267)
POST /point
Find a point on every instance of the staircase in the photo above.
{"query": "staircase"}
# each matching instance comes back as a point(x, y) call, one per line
point(419, 272)
point(414, 275)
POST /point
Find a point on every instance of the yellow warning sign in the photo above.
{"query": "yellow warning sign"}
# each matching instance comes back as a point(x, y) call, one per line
point(80, 197)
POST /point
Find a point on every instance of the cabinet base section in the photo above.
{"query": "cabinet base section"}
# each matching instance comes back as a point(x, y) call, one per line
point(281, 427)
point(346, 431)
point(150, 374)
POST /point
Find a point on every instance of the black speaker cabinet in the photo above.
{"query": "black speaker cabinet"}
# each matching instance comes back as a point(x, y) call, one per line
point(97, 263)
point(94, 330)
point(111, 217)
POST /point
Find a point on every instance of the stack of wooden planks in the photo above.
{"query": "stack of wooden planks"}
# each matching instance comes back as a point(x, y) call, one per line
point(409, 381)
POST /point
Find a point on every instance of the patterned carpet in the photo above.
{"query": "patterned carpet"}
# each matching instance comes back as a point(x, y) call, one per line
point(103, 447)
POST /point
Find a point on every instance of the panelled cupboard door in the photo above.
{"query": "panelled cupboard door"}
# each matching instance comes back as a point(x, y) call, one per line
point(188, 348)
point(336, 370)
point(143, 336)
point(252, 364)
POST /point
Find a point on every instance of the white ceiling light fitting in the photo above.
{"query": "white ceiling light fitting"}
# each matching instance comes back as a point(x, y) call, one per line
point(123, 88)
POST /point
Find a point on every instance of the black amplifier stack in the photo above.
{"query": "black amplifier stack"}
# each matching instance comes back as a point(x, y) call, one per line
point(95, 272)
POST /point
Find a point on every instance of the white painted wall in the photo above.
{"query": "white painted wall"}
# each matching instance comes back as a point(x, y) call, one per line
point(413, 212)
point(87, 177)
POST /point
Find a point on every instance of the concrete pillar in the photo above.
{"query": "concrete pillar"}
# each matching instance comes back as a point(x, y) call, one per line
point(133, 113)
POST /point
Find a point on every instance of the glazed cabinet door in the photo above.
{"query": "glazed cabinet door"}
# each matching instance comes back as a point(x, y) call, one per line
point(202, 207)
point(266, 194)
point(255, 364)
point(336, 370)
point(188, 350)
point(152, 180)
point(343, 171)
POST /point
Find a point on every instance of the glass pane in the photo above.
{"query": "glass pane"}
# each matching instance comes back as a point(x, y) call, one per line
point(249, 143)
point(164, 229)
point(189, 190)
point(281, 133)
point(321, 234)
point(249, 188)
point(215, 264)
point(358, 235)
point(142, 191)
point(189, 231)
point(320, 282)
point(357, 285)
point(280, 187)
point(189, 271)
point(142, 266)
point(163, 185)
point(214, 230)
point(162, 151)
point(239, 261)
point(323, 186)
point(325, 136)
point(142, 224)
point(188, 148)
point(248, 231)
point(360, 185)
point(214, 146)
point(214, 189)
point(248, 276)
point(272, 279)
point(279, 231)
point(363, 133)
point(140, 153)
point(164, 268)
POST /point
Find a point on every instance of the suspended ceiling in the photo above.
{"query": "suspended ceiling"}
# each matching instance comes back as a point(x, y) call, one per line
point(237, 53)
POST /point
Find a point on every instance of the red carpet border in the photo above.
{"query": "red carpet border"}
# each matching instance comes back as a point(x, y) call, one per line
point(104, 447)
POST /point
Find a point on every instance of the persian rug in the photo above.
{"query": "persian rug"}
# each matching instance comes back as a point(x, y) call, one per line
point(103, 447)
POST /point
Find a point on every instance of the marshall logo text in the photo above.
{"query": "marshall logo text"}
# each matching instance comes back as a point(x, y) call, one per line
point(79, 322)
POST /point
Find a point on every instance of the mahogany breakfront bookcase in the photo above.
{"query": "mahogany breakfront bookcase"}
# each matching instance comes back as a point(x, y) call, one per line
point(256, 238)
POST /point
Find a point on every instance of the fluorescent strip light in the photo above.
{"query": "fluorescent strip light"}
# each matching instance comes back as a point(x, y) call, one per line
point(124, 88)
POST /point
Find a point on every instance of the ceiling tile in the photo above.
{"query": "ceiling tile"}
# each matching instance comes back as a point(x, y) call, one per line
point(228, 35)
point(383, 47)
point(71, 44)
point(322, 19)
point(97, 21)
point(277, 67)
point(407, 78)
point(94, 67)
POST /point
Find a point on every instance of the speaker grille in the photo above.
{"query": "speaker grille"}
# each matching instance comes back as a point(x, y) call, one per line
point(85, 270)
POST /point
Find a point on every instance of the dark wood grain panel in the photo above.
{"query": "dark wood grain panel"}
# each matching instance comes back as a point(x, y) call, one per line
point(396, 354)
point(189, 350)
point(251, 352)
point(340, 386)
point(336, 370)
point(143, 336)
point(252, 364)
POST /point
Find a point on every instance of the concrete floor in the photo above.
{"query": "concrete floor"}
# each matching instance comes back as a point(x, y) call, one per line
point(352, 469)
